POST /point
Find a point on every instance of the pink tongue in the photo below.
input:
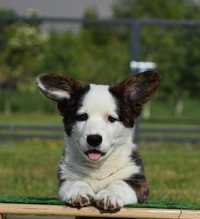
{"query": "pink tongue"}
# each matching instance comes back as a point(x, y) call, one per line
point(94, 156)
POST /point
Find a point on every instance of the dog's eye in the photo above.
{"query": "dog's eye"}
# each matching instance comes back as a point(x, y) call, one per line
point(112, 119)
point(82, 117)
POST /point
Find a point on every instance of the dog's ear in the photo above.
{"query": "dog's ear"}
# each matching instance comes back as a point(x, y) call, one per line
point(58, 88)
point(61, 89)
point(137, 89)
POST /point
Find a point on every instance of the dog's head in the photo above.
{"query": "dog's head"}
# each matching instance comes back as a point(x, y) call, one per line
point(99, 118)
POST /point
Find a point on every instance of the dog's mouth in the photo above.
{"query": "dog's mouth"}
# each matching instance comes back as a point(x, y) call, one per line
point(94, 154)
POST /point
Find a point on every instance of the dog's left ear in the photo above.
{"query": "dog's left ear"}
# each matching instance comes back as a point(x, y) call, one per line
point(137, 89)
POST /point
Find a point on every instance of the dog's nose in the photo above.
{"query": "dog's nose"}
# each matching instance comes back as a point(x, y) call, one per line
point(94, 140)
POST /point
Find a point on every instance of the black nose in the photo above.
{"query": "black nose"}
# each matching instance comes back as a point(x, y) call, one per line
point(94, 140)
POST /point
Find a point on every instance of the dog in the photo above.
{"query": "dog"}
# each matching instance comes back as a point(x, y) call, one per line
point(100, 165)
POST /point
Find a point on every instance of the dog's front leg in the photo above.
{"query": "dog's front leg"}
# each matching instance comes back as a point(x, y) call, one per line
point(76, 193)
point(115, 196)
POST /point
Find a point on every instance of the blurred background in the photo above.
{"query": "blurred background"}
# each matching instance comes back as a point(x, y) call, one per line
point(97, 41)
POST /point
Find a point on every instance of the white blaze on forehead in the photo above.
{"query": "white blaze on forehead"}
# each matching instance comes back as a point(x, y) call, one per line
point(98, 100)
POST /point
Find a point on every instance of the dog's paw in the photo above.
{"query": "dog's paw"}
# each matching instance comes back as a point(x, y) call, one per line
point(108, 201)
point(78, 194)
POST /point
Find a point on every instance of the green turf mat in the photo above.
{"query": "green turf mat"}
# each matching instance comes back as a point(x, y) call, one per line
point(30, 200)
point(55, 201)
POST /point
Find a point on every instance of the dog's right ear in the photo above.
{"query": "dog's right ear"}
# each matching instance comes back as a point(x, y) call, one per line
point(58, 88)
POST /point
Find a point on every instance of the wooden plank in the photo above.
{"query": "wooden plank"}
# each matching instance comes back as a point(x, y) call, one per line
point(190, 214)
point(35, 209)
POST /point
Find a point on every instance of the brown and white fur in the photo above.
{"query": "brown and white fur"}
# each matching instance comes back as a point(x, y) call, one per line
point(100, 164)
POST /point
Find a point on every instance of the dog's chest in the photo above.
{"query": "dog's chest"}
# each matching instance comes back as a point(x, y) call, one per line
point(118, 166)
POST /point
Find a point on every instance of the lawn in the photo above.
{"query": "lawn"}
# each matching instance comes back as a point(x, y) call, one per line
point(28, 168)
point(30, 118)
point(56, 119)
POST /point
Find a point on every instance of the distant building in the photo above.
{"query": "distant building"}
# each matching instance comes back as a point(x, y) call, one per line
point(60, 8)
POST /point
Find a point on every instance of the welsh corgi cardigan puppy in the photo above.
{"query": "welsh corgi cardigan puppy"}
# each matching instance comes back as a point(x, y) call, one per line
point(100, 165)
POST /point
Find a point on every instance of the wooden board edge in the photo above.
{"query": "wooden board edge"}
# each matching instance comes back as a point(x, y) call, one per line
point(35, 209)
point(190, 214)
point(61, 210)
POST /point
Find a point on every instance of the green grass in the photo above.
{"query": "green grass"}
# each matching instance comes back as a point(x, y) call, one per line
point(55, 118)
point(28, 168)
point(173, 172)
point(30, 118)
